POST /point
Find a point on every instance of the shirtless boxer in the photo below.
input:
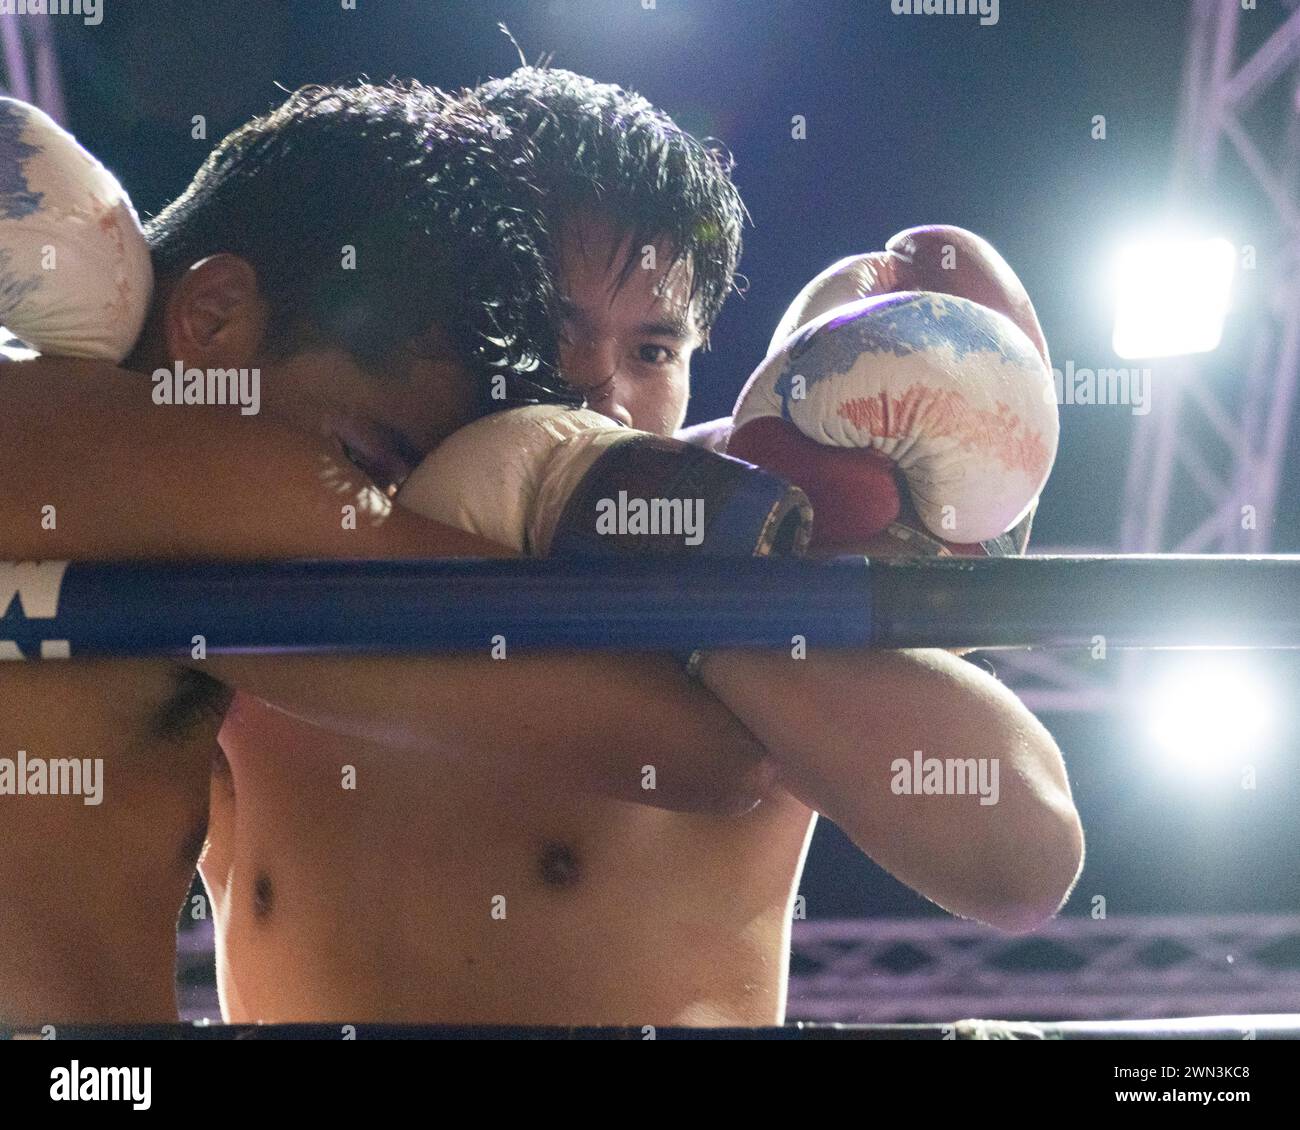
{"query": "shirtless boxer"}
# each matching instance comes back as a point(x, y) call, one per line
point(432, 892)
point(247, 274)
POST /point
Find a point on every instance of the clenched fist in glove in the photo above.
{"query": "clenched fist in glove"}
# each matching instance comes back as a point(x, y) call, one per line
point(909, 393)
point(75, 274)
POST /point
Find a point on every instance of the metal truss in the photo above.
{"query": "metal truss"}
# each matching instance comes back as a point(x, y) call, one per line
point(1217, 438)
point(939, 970)
point(943, 969)
point(1217, 441)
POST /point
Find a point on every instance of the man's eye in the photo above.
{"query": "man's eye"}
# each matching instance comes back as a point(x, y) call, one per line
point(657, 355)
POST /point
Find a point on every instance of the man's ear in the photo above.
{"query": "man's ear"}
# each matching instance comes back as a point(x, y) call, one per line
point(215, 316)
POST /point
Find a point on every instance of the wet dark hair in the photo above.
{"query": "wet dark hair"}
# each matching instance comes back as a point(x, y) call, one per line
point(431, 191)
point(601, 148)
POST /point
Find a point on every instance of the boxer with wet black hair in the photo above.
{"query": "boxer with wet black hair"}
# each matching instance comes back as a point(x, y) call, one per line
point(358, 367)
point(446, 892)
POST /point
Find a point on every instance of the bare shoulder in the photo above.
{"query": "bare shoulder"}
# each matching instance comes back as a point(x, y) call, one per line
point(93, 468)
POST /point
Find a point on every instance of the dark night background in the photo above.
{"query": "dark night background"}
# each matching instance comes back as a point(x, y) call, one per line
point(909, 120)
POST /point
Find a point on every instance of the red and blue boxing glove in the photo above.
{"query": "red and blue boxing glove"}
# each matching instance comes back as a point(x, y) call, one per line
point(909, 393)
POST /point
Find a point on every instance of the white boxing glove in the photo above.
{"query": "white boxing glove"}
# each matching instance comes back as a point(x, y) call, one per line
point(76, 278)
point(506, 477)
point(952, 392)
point(855, 498)
point(547, 479)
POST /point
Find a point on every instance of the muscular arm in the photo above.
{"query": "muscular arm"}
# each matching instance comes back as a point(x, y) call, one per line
point(598, 721)
point(186, 484)
point(835, 723)
point(208, 484)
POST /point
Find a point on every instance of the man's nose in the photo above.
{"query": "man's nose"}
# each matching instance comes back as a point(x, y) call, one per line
point(593, 371)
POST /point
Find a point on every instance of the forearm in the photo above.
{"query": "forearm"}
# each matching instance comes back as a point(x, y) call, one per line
point(843, 727)
point(627, 725)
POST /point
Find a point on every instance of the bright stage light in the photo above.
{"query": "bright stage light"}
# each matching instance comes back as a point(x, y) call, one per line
point(1172, 296)
point(1211, 714)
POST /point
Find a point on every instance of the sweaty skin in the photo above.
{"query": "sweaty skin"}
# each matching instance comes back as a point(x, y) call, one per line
point(434, 892)
point(89, 895)
point(352, 882)
point(427, 890)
